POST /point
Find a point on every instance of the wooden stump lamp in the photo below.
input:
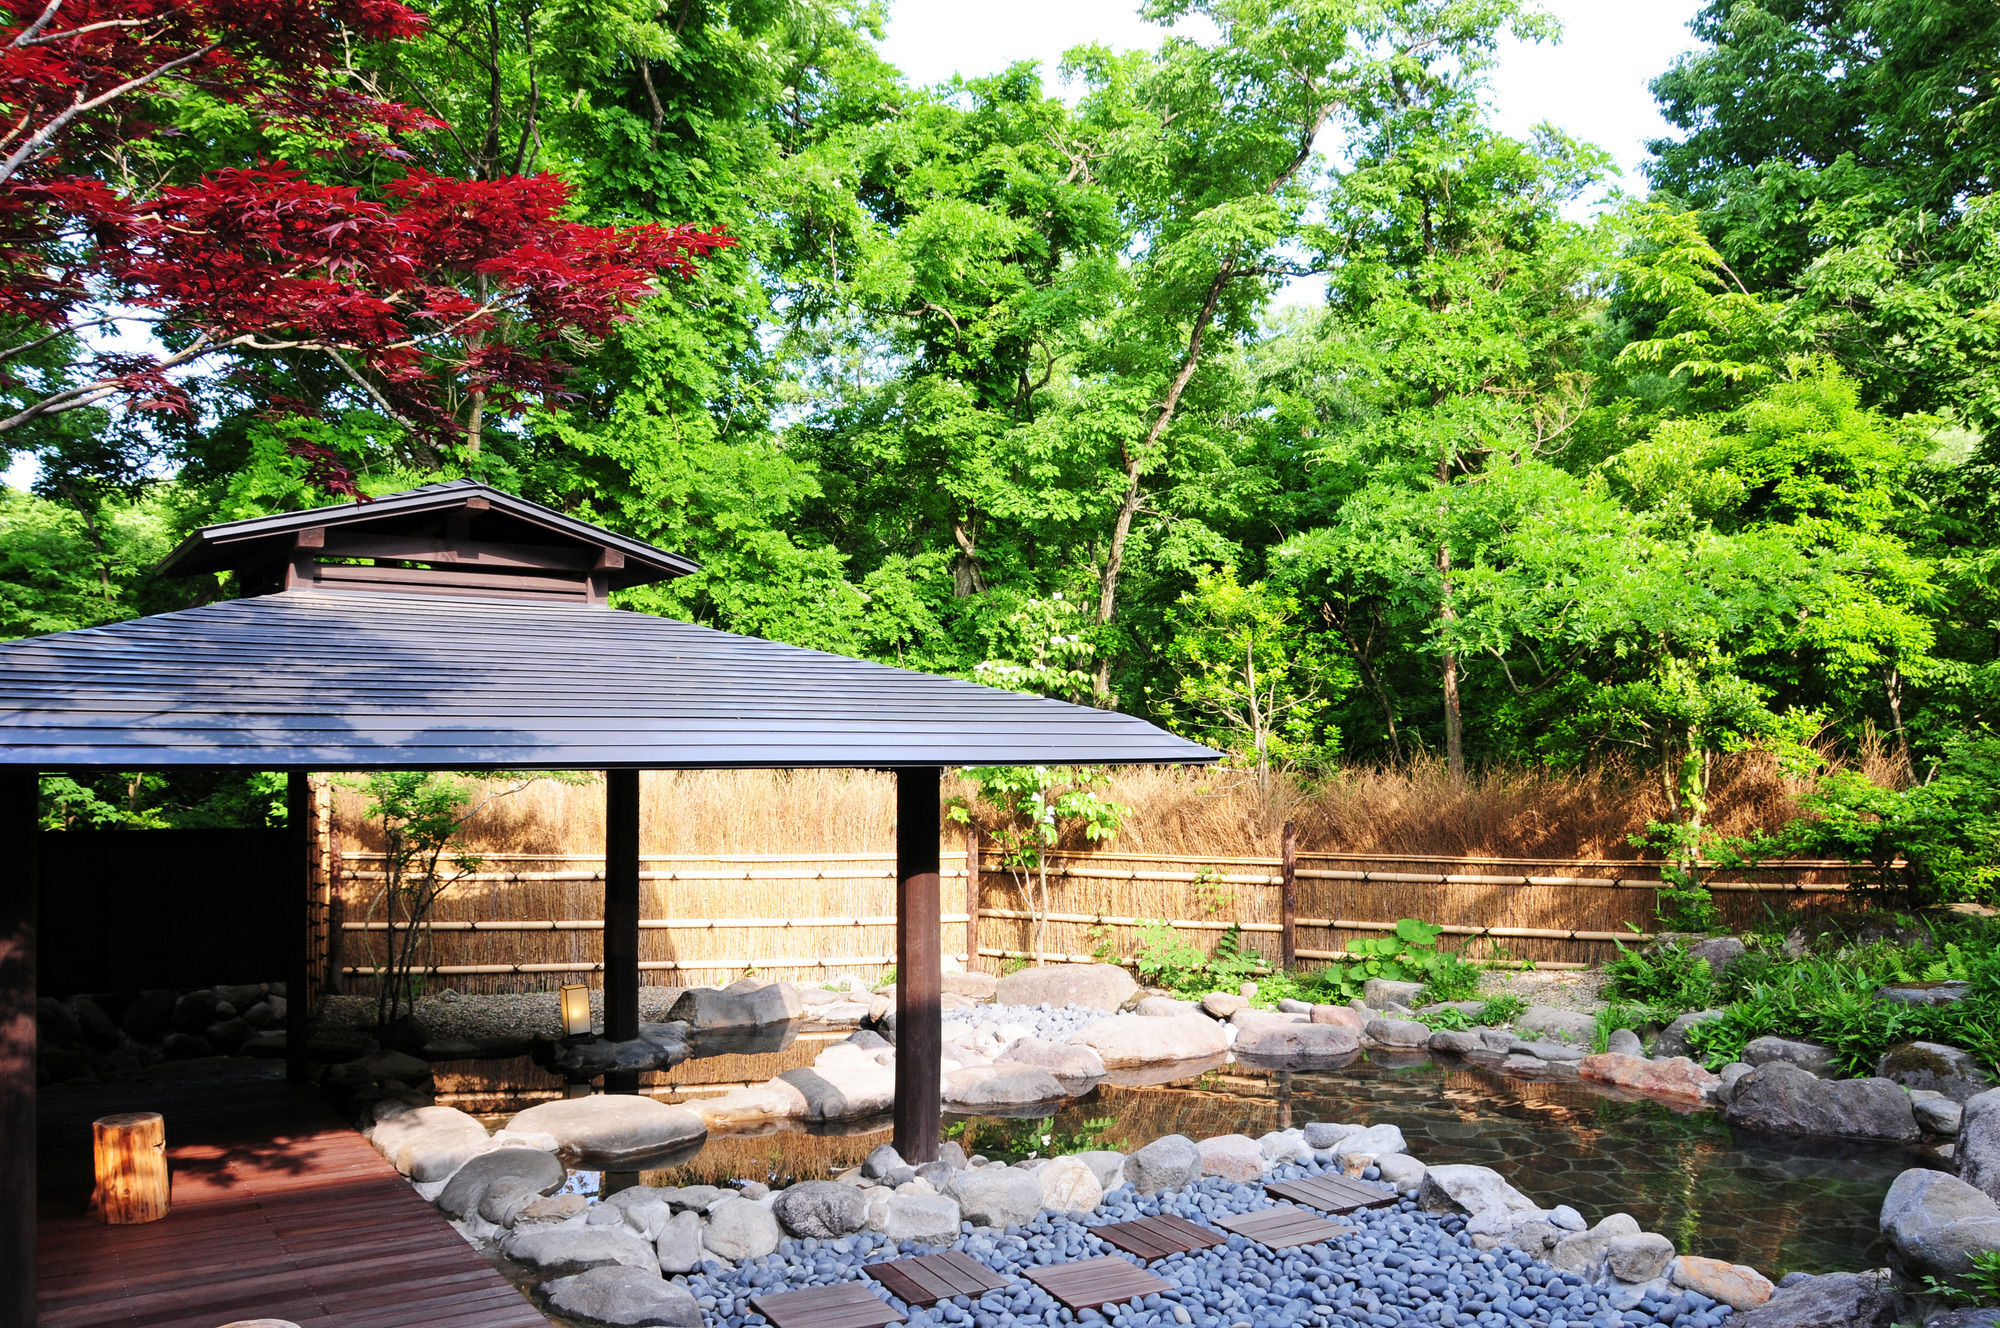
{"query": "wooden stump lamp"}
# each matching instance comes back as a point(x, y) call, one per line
point(131, 1156)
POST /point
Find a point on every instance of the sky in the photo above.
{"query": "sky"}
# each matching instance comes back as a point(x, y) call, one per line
point(1593, 84)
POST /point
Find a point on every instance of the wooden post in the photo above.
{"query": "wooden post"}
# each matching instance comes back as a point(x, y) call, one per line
point(130, 1151)
point(20, 836)
point(919, 977)
point(1288, 917)
point(621, 905)
point(298, 971)
point(971, 897)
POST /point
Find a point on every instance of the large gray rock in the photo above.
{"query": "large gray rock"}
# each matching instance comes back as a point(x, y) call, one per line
point(1406, 1033)
point(1298, 1046)
point(1815, 1058)
point(618, 1295)
point(1721, 952)
point(1937, 1115)
point(1545, 1021)
point(820, 1209)
point(1462, 1188)
point(1673, 1039)
point(1064, 1060)
point(678, 1245)
point(1093, 986)
point(1639, 1258)
point(611, 1126)
point(658, 1047)
point(1106, 1165)
point(1459, 1042)
point(512, 1178)
point(746, 1003)
point(573, 1248)
point(1168, 1163)
point(429, 1143)
point(986, 1087)
point(1165, 1007)
point(1070, 1185)
point(1935, 1066)
point(998, 1196)
point(1783, 1099)
point(1978, 1148)
point(929, 1219)
point(1835, 1300)
point(740, 1229)
point(1130, 1039)
point(1948, 992)
point(844, 1092)
point(975, 987)
point(1234, 1157)
point(1375, 1141)
point(1586, 1252)
point(1935, 1223)
point(1381, 993)
point(1988, 1317)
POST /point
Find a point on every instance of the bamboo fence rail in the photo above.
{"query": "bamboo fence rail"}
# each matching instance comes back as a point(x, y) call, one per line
point(529, 919)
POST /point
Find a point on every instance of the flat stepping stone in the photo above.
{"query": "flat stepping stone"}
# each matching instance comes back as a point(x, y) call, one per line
point(1283, 1227)
point(843, 1305)
point(1334, 1194)
point(925, 1280)
point(1090, 1284)
point(1157, 1237)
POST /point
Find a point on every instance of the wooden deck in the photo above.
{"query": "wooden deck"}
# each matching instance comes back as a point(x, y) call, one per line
point(279, 1210)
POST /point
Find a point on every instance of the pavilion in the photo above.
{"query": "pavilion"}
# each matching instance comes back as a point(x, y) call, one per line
point(457, 627)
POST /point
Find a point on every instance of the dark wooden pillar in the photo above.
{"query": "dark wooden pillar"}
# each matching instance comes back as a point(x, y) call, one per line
point(919, 1014)
point(20, 834)
point(621, 905)
point(1288, 898)
point(299, 854)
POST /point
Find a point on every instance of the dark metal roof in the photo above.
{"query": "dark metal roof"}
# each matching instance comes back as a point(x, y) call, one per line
point(234, 544)
point(330, 680)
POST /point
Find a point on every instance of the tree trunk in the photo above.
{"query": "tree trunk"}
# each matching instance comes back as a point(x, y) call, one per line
point(1892, 686)
point(130, 1150)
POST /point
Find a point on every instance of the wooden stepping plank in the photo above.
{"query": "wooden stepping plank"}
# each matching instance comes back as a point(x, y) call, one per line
point(1157, 1237)
point(1090, 1284)
point(1335, 1194)
point(925, 1280)
point(1283, 1227)
point(843, 1305)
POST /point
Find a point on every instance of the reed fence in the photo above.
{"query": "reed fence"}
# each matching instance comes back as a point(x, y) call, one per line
point(527, 920)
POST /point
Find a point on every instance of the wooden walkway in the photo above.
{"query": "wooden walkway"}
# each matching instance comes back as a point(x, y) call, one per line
point(279, 1210)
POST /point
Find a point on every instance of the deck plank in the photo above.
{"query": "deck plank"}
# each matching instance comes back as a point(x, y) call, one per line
point(1090, 1284)
point(1334, 1194)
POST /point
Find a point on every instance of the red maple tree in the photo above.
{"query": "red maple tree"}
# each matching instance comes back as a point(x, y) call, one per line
point(438, 298)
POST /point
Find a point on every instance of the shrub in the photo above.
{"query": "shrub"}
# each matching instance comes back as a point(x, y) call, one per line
point(1669, 976)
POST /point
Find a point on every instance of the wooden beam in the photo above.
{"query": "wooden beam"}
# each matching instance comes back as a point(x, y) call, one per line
point(621, 905)
point(20, 834)
point(462, 552)
point(919, 981)
point(299, 857)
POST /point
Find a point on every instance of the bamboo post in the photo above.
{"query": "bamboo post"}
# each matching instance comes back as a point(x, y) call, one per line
point(130, 1150)
point(1288, 918)
point(971, 897)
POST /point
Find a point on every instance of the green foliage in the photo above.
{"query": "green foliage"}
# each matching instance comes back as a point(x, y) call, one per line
point(1165, 957)
point(1669, 977)
point(1029, 810)
point(1979, 1285)
point(1502, 1009)
point(1003, 1140)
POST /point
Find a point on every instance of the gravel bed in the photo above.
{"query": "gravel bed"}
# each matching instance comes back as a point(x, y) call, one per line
point(1580, 990)
point(1051, 1023)
point(455, 1015)
point(1401, 1266)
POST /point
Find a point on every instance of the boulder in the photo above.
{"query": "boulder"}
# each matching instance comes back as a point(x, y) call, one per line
point(1736, 1285)
point(1070, 1185)
point(150, 1015)
point(1467, 1189)
point(1298, 1046)
point(820, 1209)
point(1814, 1058)
point(1936, 1066)
point(1781, 1098)
point(515, 1176)
point(1323, 1135)
point(1543, 1049)
point(746, 1003)
point(1584, 1253)
point(998, 1196)
point(658, 1047)
point(1235, 1157)
point(1935, 1223)
point(776, 1100)
point(1093, 986)
point(1625, 1042)
point(1638, 1258)
point(1130, 1039)
point(619, 1295)
point(844, 1093)
point(678, 1246)
point(1165, 1007)
point(611, 1126)
point(1402, 1171)
point(1545, 1021)
point(196, 1011)
point(1988, 1317)
point(928, 1219)
point(1673, 1039)
point(1677, 1077)
point(1222, 1004)
point(1937, 1115)
point(428, 1143)
point(740, 1229)
point(1171, 1162)
point(1064, 1060)
point(552, 1211)
point(1381, 993)
point(1949, 992)
point(1457, 1042)
point(1375, 1141)
point(978, 988)
point(1106, 1165)
point(1721, 952)
point(1396, 1033)
point(1978, 1148)
point(567, 1248)
point(987, 1087)
point(1339, 1016)
point(1834, 1300)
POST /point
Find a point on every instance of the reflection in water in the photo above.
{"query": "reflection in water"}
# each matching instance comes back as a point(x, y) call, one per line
point(1777, 1204)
